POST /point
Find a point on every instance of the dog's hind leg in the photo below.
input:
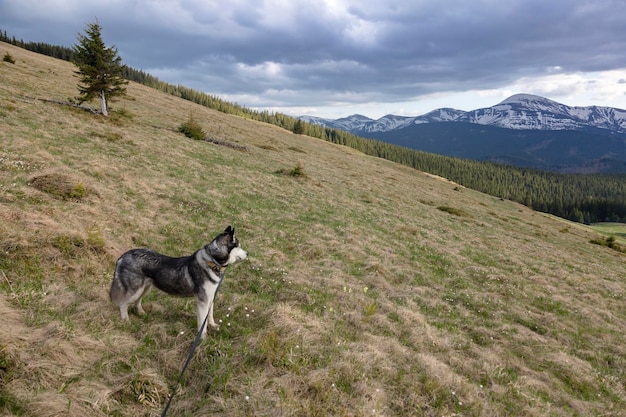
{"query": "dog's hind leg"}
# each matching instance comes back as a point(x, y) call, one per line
point(124, 311)
point(120, 298)
point(140, 310)
point(134, 298)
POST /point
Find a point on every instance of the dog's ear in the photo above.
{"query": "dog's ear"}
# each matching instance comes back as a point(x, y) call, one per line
point(229, 230)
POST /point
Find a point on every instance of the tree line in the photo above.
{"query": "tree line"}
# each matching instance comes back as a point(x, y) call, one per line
point(582, 198)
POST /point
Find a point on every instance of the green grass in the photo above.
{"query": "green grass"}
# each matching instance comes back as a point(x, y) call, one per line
point(617, 230)
point(370, 288)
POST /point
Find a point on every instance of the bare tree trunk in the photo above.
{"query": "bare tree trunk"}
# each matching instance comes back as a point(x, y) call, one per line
point(103, 104)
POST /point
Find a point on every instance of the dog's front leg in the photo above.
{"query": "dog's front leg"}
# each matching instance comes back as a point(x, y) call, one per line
point(202, 309)
point(212, 323)
point(211, 291)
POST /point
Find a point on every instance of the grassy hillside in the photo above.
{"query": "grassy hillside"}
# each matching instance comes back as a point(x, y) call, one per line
point(370, 289)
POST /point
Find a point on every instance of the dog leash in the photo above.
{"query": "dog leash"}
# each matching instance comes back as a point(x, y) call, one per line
point(193, 348)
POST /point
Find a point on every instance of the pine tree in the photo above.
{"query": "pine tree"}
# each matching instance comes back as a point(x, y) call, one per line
point(298, 127)
point(100, 68)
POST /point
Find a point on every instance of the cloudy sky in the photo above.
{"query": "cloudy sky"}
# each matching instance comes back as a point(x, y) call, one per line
point(333, 58)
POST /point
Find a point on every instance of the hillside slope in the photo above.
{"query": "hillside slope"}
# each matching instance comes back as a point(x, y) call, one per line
point(370, 289)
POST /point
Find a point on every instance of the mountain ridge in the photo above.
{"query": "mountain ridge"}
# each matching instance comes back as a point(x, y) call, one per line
point(519, 111)
point(534, 131)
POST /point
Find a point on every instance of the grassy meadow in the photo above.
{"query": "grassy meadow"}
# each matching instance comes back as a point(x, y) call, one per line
point(615, 230)
point(371, 289)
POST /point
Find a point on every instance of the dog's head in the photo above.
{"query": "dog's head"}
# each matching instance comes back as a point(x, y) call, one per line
point(225, 248)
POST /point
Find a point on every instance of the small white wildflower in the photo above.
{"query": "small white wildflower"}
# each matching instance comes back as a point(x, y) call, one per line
point(247, 398)
point(228, 324)
point(181, 333)
point(220, 320)
point(247, 315)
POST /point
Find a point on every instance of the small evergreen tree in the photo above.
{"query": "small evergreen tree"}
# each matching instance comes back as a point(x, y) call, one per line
point(8, 58)
point(192, 129)
point(298, 127)
point(100, 68)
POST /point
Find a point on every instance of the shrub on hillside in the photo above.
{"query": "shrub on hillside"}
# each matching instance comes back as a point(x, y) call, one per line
point(61, 187)
point(192, 129)
point(609, 242)
point(8, 58)
point(453, 211)
point(296, 172)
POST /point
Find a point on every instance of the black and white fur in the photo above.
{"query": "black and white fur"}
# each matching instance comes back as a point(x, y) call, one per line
point(198, 275)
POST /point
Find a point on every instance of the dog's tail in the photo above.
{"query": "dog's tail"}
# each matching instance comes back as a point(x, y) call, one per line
point(116, 293)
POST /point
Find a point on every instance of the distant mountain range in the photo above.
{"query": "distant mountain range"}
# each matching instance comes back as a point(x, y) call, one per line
point(523, 130)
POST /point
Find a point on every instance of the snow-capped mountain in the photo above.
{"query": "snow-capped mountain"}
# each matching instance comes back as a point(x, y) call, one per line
point(523, 130)
point(526, 111)
point(520, 112)
point(360, 123)
point(439, 115)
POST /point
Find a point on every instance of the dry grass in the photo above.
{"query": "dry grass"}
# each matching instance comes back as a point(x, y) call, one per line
point(371, 288)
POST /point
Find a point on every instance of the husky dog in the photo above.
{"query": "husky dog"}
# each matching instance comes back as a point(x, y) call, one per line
point(198, 275)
